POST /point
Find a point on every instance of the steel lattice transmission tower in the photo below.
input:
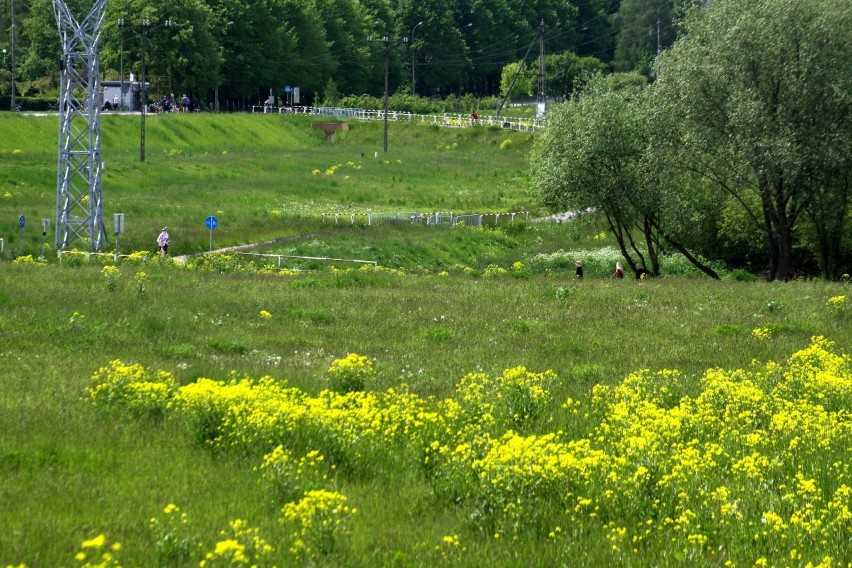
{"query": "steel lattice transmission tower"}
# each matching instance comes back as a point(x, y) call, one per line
point(79, 211)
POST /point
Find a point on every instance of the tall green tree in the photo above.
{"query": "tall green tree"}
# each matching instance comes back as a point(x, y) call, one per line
point(596, 152)
point(644, 27)
point(38, 46)
point(759, 93)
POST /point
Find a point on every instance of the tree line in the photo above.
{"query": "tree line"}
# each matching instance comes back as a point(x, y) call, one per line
point(740, 150)
point(244, 48)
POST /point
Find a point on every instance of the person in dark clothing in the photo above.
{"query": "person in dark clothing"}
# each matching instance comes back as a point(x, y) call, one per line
point(641, 273)
point(578, 272)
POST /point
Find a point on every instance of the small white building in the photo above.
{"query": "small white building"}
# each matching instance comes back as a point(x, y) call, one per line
point(127, 93)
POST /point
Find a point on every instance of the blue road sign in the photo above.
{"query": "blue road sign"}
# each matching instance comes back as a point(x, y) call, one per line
point(288, 89)
point(22, 221)
point(211, 222)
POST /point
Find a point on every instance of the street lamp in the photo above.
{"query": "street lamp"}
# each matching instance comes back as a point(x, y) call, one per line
point(461, 53)
point(219, 79)
point(412, 55)
point(4, 57)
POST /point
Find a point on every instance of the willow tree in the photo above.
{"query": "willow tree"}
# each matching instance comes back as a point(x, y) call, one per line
point(595, 153)
point(759, 92)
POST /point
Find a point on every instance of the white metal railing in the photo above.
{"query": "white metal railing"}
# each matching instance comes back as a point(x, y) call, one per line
point(469, 219)
point(446, 119)
point(88, 254)
point(322, 258)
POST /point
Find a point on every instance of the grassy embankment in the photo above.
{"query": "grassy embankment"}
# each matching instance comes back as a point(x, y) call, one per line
point(71, 471)
point(263, 176)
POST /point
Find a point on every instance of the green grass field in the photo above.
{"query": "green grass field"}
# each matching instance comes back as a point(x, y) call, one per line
point(462, 463)
point(263, 176)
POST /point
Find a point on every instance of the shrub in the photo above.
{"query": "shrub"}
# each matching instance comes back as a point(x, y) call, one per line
point(132, 387)
point(350, 374)
point(318, 524)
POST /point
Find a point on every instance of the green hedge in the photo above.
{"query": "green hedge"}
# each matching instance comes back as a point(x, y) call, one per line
point(29, 103)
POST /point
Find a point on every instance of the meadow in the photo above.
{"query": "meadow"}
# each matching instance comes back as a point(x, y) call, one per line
point(263, 176)
point(466, 402)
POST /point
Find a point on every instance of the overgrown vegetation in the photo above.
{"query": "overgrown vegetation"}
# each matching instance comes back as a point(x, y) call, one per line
point(225, 410)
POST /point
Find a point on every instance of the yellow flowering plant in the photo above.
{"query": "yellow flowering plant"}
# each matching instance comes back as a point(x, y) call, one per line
point(318, 524)
point(172, 534)
point(290, 477)
point(97, 552)
point(132, 387)
point(352, 373)
point(240, 545)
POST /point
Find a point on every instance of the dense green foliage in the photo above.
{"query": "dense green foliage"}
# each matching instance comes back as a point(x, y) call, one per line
point(72, 471)
point(755, 97)
point(132, 392)
point(247, 48)
point(746, 132)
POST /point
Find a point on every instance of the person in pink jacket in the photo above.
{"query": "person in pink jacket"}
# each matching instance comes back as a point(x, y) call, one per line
point(163, 241)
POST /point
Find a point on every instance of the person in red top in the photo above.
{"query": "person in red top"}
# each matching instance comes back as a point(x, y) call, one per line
point(474, 117)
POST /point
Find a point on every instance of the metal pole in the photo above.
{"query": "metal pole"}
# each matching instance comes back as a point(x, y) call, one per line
point(121, 65)
point(143, 94)
point(219, 78)
point(659, 45)
point(385, 40)
point(413, 63)
point(14, 105)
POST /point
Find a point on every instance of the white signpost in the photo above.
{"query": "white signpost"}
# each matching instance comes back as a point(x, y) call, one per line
point(118, 229)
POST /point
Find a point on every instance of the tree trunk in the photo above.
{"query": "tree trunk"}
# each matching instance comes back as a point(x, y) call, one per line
point(685, 252)
point(618, 231)
point(785, 254)
point(648, 230)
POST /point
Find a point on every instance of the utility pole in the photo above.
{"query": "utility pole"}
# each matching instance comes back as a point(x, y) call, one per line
point(462, 59)
point(413, 53)
point(659, 45)
point(121, 64)
point(542, 77)
point(143, 93)
point(387, 44)
point(14, 106)
point(542, 74)
point(143, 86)
point(219, 75)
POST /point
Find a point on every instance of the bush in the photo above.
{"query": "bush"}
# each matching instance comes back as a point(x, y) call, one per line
point(351, 374)
point(740, 275)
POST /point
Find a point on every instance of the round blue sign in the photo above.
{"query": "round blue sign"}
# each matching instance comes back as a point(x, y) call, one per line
point(22, 221)
point(288, 89)
point(211, 222)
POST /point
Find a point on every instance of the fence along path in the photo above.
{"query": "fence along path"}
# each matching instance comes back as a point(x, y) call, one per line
point(470, 220)
point(446, 119)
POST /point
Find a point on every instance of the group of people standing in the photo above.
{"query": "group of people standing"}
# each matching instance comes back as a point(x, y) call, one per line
point(170, 104)
point(641, 273)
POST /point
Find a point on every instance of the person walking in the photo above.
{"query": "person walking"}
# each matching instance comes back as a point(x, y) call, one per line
point(578, 272)
point(163, 241)
point(619, 271)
